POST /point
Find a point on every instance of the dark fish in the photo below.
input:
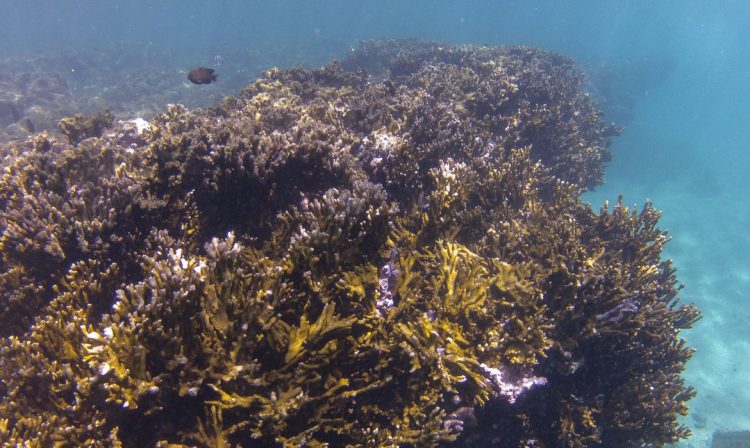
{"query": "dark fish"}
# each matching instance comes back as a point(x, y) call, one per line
point(28, 125)
point(202, 75)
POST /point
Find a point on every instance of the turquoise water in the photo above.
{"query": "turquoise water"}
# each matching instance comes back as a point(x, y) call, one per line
point(674, 74)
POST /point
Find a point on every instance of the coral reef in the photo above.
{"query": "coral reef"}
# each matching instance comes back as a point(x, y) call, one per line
point(386, 251)
point(130, 79)
point(80, 127)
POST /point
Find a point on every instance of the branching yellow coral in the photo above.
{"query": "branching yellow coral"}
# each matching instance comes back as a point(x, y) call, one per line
point(387, 251)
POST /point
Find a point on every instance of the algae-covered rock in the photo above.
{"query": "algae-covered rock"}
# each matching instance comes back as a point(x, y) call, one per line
point(389, 251)
point(79, 126)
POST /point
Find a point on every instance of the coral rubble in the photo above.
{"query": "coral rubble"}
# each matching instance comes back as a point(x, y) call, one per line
point(386, 251)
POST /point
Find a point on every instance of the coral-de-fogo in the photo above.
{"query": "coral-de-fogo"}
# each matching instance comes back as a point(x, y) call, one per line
point(386, 251)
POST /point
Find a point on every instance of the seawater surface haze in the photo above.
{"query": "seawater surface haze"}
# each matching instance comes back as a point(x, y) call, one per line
point(675, 75)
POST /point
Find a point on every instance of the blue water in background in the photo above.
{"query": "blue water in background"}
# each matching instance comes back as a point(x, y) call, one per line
point(683, 68)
